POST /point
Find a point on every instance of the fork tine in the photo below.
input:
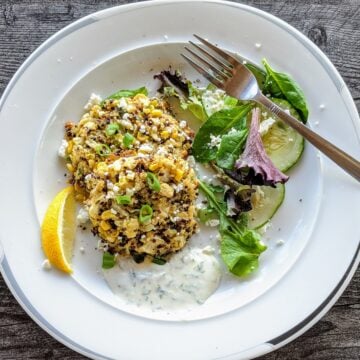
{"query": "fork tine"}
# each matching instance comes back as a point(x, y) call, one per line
point(222, 53)
point(223, 75)
point(212, 57)
point(203, 72)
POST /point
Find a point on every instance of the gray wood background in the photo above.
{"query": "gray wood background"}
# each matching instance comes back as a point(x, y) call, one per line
point(333, 25)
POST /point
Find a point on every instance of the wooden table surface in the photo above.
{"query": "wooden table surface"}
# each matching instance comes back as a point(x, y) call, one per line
point(333, 25)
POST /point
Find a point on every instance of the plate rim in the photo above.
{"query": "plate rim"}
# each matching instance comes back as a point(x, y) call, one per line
point(343, 92)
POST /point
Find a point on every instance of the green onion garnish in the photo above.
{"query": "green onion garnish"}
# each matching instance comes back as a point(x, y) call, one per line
point(123, 199)
point(152, 181)
point(145, 215)
point(103, 150)
point(158, 260)
point(108, 261)
point(128, 139)
point(112, 129)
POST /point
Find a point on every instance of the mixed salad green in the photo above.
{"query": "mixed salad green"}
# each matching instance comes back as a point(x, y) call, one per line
point(250, 149)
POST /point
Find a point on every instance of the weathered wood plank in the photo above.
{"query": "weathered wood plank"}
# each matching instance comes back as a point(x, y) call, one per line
point(333, 25)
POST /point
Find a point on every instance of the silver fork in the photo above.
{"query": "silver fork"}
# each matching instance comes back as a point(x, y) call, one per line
point(227, 73)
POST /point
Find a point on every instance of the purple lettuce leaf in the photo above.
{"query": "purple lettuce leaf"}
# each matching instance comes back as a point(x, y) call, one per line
point(254, 167)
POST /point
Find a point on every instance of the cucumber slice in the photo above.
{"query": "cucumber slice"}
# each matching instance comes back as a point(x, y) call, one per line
point(282, 143)
point(265, 201)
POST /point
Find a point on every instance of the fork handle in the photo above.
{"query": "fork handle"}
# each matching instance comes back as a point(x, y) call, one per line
point(345, 161)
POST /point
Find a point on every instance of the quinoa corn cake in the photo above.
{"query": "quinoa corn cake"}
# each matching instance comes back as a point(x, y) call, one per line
point(128, 160)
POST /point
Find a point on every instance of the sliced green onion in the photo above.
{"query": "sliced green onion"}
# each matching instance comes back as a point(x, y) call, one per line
point(128, 139)
point(103, 150)
point(108, 261)
point(145, 215)
point(152, 181)
point(123, 199)
point(112, 129)
point(158, 260)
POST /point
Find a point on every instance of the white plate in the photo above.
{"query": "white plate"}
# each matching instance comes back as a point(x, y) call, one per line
point(296, 284)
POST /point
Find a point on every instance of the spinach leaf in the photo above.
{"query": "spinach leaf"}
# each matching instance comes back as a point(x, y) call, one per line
point(281, 85)
point(258, 73)
point(128, 93)
point(240, 247)
point(217, 125)
point(230, 148)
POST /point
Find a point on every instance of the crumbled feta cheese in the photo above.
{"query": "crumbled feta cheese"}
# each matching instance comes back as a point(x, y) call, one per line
point(77, 140)
point(214, 100)
point(146, 148)
point(88, 177)
point(122, 103)
point(161, 151)
point(117, 165)
point(113, 211)
point(215, 141)
point(115, 189)
point(102, 246)
point(178, 187)
point(264, 228)
point(265, 125)
point(126, 124)
point(109, 184)
point(191, 161)
point(93, 100)
point(156, 121)
point(208, 250)
point(46, 265)
point(130, 175)
point(142, 129)
point(182, 124)
point(62, 149)
point(82, 217)
point(232, 131)
point(130, 192)
point(110, 195)
point(212, 222)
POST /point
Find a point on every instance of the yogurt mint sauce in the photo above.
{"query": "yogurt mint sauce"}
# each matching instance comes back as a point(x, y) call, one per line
point(185, 281)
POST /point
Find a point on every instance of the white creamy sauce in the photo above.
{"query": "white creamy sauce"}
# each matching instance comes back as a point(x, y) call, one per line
point(187, 279)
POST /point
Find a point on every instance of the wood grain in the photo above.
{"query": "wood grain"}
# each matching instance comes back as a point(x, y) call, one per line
point(333, 25)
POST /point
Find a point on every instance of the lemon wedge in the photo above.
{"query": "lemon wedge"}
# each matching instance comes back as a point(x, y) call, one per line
point(58, 230)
